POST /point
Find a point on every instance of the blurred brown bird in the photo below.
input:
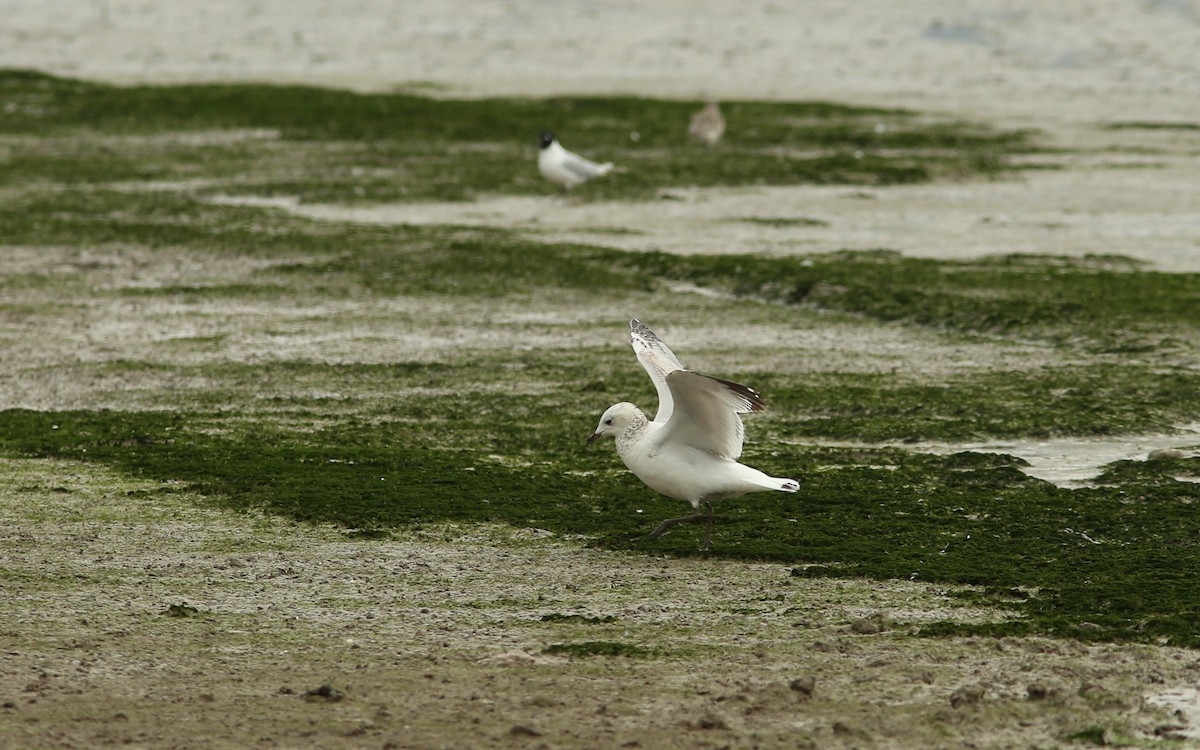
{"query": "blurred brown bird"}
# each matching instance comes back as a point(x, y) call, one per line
point(707, 125)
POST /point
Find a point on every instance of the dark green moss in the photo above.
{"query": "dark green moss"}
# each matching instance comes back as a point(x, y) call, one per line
point(781, 221)
point(1086, 400)
point(1152, 125)
point(1113, 562)
point(208, 292)
point(597, 648)
point(181, 610)
point(1090, 736)
point(1158, 469)
point(559, 617)
point(1081, 400)
point(1021, 296)
point(1123, 559)
point(328, 145)
point(1108, 305)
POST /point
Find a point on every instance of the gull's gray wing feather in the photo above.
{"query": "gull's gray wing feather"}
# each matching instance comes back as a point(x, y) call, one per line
point(658, 360)
point(706, 412)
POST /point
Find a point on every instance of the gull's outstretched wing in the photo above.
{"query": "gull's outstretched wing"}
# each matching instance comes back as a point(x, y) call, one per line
point(706, 412)
point(659, 361)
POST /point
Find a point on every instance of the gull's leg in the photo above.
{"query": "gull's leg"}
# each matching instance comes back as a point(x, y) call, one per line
point(663, 527)
point(708, 527)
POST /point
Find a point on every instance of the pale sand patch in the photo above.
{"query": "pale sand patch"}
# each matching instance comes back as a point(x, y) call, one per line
point(1184, 704)
point(72, 360)
point(1066, 61)
point(1073, 462)
point(1143, 213)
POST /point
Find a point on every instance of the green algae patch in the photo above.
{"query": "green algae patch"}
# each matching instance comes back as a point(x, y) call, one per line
point(598, 648)
point(558, 617)
point(483, 430)
point(1098, 563)
point(783, 222)
point(1108, 302)
point(1101, 305)
point(1153, 125)
point(329, 145)
point(1097, 399)
point(181, 610)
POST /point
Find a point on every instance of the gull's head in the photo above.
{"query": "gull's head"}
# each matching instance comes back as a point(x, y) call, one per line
point(545, 139)
point(616, 419)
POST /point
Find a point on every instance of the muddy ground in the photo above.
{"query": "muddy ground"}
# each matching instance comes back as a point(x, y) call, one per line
point(138, 621)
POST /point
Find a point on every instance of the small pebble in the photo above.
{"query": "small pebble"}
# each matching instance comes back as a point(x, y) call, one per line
point(803, 685)
point(967, 695)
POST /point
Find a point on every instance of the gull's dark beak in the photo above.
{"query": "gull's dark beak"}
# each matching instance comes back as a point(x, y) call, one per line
point(592, 438)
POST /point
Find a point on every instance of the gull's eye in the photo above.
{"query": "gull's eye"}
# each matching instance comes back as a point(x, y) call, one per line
point(608, 421)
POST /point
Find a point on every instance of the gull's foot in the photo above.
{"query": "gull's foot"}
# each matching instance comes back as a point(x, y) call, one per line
point(666, 525)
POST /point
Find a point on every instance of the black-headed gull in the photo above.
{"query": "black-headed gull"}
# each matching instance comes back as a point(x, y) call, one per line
point(690, 450)
point(565, 168)
point(707, 125)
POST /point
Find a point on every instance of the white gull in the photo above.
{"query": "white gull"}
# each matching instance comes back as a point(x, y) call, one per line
point(690, 450)
point(565, 168)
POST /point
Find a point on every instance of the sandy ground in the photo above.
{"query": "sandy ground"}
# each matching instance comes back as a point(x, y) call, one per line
point(1070, 61)
point(435, 639)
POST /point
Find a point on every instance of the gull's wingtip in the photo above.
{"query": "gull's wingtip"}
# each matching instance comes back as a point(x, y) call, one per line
point(634, 323)
point(753, 399)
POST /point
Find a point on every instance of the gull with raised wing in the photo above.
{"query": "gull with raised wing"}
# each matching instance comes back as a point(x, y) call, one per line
point(565, 168)
point(690, 450)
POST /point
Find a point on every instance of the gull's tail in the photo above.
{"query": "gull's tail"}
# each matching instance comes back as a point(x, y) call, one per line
point(786, 485)
point(750, 479)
